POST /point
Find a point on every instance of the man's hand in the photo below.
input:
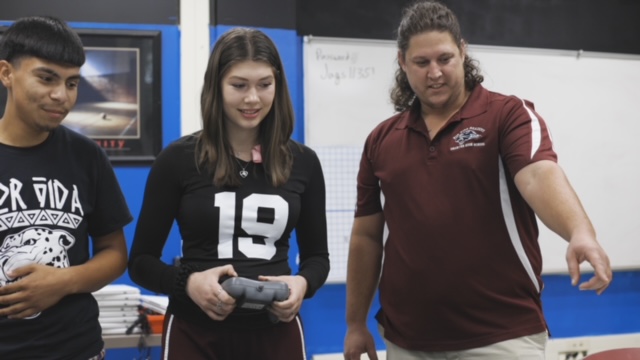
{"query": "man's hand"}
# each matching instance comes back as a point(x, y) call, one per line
point(586, 248)
point(359, 341)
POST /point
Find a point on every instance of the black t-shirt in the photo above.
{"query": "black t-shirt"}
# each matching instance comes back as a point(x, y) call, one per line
point(53, 197)
point(247, 226)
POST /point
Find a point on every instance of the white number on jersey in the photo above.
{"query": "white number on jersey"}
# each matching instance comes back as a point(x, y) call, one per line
point(249, 223)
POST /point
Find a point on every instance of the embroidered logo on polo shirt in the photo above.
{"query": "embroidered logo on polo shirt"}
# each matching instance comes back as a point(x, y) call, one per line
point(468, 137)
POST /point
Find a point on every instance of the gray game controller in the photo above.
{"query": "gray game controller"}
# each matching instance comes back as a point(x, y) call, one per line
point(254, 294)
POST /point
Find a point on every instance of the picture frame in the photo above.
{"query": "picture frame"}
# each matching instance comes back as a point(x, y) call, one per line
point(119, 102)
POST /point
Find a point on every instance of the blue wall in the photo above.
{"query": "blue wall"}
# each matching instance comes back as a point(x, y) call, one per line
point(133, 178)
point(569, 311)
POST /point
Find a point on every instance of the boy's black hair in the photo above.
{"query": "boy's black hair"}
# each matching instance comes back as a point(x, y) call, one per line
point(44, 37)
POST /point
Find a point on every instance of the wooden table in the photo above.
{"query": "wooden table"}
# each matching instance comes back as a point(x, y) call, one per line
point(130, 341)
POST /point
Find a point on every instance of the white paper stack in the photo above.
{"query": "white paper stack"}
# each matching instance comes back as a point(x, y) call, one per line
point(118, 305)
point(155, 303)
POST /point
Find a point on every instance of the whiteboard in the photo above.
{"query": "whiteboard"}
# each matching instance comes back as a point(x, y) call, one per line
point(589, 100)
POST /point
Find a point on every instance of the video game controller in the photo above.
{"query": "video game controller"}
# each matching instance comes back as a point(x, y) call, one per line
point(254, 294)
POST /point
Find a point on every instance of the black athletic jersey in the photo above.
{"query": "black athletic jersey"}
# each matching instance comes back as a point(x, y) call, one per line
point(248, 226)
point(53, 197)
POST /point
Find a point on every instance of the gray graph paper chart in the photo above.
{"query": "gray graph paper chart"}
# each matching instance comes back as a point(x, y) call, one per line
point(340, 167)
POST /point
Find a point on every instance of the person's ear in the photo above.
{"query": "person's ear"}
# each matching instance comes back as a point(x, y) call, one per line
point(401, 61)
point(463, 50)
point(6, 73)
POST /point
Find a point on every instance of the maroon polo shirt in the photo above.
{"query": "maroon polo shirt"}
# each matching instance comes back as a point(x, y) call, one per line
point(462, 262)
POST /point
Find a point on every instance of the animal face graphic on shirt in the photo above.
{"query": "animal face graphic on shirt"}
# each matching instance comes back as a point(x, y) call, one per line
point(34, 245)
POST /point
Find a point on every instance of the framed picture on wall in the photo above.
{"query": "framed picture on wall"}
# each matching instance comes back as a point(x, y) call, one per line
point(119, 97)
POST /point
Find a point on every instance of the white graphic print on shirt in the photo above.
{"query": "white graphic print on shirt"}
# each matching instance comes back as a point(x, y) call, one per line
point(41, 240)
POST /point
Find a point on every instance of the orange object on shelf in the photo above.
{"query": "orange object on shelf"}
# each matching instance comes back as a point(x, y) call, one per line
point(156, 322)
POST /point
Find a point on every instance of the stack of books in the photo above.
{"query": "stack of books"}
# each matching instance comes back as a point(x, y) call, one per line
point(156, 307)
point(119, 308)
point(155, 303)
